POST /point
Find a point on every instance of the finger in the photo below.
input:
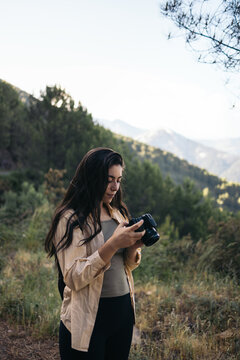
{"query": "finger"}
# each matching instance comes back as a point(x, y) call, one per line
point(138, 235)
point(122, 224)
point(138, 243)
point(135, 226)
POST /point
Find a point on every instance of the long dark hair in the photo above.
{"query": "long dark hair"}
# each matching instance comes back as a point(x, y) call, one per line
point(83, 197)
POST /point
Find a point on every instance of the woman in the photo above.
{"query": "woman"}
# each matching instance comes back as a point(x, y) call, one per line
point(95, 252)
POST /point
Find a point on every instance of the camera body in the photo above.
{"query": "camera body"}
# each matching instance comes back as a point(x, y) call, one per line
point(151, 235)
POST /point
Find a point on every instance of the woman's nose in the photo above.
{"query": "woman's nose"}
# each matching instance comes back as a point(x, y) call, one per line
point(114, 186)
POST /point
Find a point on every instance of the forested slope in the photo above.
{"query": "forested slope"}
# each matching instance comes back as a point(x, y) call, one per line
point(53, 132)
point(226, 194)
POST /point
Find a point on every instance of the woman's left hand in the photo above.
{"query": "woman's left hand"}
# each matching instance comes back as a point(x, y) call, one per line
point(133, 252)
point(138, 244)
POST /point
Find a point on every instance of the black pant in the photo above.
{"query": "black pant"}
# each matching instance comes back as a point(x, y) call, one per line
point(112, 333)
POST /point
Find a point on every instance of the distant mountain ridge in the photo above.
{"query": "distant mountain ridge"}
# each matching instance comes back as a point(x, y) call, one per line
point(215, 161)
point(121, 127)
point(231, 146)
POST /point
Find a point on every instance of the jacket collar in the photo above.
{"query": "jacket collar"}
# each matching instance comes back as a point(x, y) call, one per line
point(115, 214)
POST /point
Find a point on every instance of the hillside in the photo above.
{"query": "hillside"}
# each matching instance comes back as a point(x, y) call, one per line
point(227, 194)
point(45, 135)
point(215, 160)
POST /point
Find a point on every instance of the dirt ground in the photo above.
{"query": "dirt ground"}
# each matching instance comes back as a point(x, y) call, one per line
point(17, 344)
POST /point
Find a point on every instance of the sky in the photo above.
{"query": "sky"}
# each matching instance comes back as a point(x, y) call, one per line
point(114, 57)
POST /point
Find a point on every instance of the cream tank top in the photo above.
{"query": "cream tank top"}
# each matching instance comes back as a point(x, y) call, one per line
point(115, 280)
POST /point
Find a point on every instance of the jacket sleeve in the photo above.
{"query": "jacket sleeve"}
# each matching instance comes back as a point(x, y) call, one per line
point(78, 269)
point(128, 261)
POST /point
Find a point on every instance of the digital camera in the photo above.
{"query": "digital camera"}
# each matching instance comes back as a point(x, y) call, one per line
point(151, 235)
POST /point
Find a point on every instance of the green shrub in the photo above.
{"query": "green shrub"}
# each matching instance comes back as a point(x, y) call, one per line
point(221, 252)
point(155, 264)
point(34, 236)
point(29, 293)
point(18, 206)
point(166, 259)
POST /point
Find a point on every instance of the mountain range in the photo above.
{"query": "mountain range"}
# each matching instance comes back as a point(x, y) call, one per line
point(231, 146)
point(219, 157)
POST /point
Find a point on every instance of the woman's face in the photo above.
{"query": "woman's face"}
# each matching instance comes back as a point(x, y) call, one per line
point(114, 179)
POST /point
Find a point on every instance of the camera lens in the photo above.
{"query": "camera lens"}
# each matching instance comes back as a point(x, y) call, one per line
point(150, 237)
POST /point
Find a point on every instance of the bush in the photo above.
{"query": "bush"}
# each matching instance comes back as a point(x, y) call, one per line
point(221, 252)
point(18, 206)
point(167, 258)
point(34, 235)
point(29, 294)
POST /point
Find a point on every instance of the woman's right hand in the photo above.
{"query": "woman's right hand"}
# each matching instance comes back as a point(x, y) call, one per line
point(123, 237)
point(126, 236)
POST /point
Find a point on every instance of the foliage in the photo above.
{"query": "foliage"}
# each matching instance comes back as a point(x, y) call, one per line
point(29, 294)
point(55, 133)
point(181, 313)
point(188, 209)
point(196, 317)
point(221, 252)
point(169, 229)
point(54, 185)
point(175, 171)
point(18, 206)
point(144, 188)
point(186, 306)
point(165, 260)
point(34, 234)
point(28, 286)
point(61, 133)
point(56, 123)
point(190, 212)
point(211, 28)
point(13, 134)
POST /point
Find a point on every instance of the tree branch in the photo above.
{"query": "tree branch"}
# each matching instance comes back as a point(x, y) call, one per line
point(209, 37)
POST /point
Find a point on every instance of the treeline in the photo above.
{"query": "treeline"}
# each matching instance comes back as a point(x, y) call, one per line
point(188, 280)
point(54, 133)
point(226, 195)
point(61, 132)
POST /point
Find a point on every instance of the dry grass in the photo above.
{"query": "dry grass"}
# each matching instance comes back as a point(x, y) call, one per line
point(194, 320)
point(189, 316)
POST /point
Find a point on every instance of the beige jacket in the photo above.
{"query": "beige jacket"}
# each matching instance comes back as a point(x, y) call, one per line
point(83, 271)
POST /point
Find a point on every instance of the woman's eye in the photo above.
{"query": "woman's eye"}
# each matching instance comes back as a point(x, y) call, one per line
point(112, 181)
